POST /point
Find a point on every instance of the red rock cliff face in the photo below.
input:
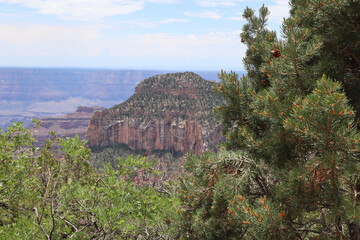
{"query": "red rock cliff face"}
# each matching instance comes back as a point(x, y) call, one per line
point(165, 113)
point(184, 136)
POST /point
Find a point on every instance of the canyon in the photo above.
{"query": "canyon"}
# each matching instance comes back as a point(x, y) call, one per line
point(69, 125)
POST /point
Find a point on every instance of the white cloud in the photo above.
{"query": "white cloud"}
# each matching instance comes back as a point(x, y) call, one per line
point(215, 48)
point(172, 20)
point(204, 14)
point(83, 9)
point(165, 1)
point(84, 42)
point(217, 3)
point(236, 18)
point(279, 10)
point(136, 23)
point(47, 40)
point(192, 37)
point(149, 24)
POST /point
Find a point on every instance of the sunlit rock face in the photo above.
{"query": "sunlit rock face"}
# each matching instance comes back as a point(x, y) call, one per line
point(167, 112)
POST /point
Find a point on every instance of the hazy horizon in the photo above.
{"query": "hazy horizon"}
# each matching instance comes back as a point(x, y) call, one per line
point(121, 69)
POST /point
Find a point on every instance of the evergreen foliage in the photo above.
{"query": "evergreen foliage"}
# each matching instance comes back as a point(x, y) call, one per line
point(337, 24)
point(291, 122)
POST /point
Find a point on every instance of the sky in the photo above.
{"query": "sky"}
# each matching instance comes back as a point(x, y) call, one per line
point(128, 34)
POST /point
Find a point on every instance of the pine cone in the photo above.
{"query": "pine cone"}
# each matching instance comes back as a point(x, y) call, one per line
point(276, 53)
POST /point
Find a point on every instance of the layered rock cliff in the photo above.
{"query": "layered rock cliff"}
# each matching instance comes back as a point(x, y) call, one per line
point(167, 112)
point(66, 126)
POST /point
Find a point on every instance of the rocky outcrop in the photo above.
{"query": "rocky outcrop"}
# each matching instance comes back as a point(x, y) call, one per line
point(167, 112)
point(69, 125)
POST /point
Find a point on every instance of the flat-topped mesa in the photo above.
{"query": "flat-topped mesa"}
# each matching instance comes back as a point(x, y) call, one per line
point(167, 112)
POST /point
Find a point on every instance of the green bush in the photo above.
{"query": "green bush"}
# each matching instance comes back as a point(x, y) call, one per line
point(56, 194)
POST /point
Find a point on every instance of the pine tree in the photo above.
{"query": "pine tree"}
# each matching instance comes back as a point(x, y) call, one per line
point(337, 24)
point(293, 125)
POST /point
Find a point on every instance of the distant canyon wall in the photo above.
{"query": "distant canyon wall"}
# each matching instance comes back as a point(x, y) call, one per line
point(69, 125)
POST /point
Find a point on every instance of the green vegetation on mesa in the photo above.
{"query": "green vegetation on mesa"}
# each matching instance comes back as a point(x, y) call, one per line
point(180, 95)
point(291, 166)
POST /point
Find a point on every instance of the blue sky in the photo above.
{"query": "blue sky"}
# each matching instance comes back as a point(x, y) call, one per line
point(127, 34)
